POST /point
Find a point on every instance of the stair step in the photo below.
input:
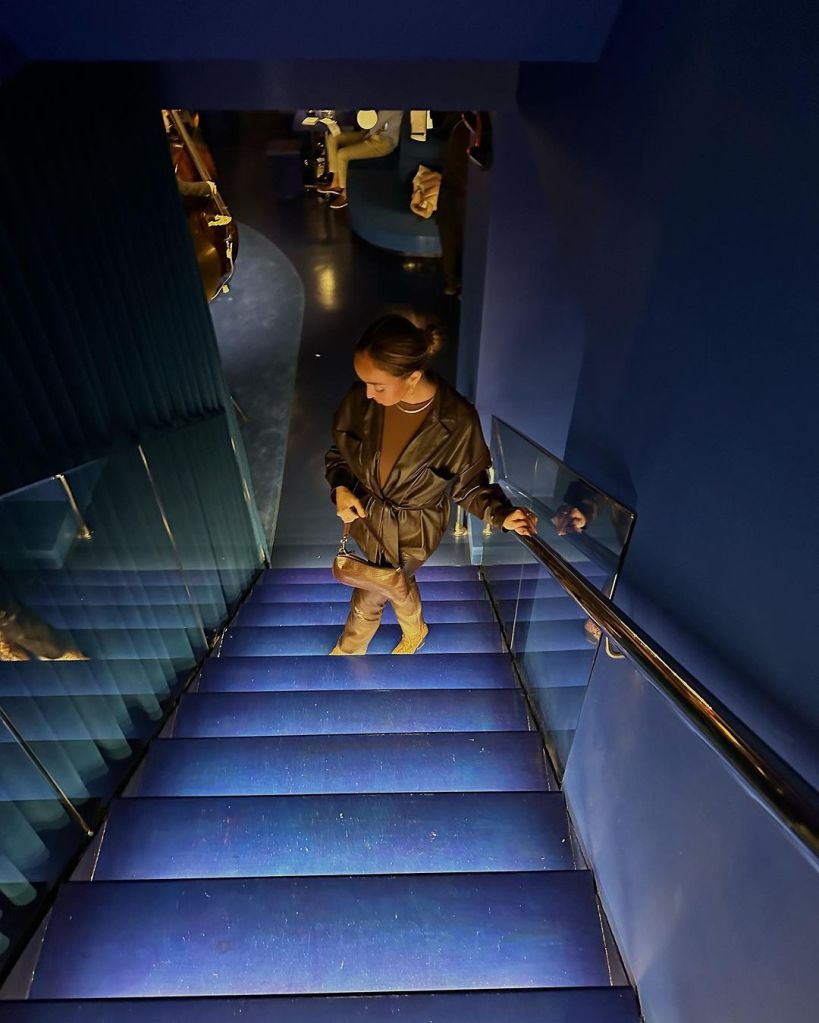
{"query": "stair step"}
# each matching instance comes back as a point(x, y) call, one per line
point(435, 612)
point(20, 778)
point(100, 718)
point(552, 637)
point(335, 613)
point(429, 573)
point(172, 645)
point(560, 706)
point(532, 588)
point(64, 594)
point(307, 765)
point(132, 577)
point(560, 1005)
point(439, 573)
point(438, 671)
point(338, 713)
point(78, 765)
point(330, 591)
point(274, 641)
point(556, 667)
point(322, 935)
point(467, 637)
point(88, 615)
point(267, 836)
point(534, 570)
point(82, 678)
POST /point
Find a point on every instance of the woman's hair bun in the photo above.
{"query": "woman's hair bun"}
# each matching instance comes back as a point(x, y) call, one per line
point(434, 338)
point(400, 346)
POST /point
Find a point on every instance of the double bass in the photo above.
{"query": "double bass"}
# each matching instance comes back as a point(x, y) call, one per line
point(213, 229)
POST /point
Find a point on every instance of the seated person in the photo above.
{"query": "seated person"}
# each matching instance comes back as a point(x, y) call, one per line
point(380, 140)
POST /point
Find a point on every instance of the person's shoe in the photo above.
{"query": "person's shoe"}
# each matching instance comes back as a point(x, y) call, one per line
point(339, 202)
point(412, 643)
point(328, 188)
point(12, 651)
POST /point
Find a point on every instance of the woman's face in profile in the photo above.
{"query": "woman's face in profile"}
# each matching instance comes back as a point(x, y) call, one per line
point(382, 387)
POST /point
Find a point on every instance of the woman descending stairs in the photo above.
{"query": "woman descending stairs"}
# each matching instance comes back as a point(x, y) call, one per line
point(346, 839)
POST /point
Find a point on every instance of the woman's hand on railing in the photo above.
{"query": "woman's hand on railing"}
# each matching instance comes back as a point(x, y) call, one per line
point(521, 521)
point(348, 506)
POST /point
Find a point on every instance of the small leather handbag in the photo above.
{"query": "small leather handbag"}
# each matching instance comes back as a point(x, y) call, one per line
point(354, 571)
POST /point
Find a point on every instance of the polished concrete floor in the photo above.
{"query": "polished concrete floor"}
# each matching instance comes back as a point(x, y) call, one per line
point(297, 245)
point(258, 325)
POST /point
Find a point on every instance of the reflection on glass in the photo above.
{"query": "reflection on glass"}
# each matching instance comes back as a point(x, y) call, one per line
point(96, 630)
point(553, 642)
point(37, 839)
point(209, 509)
point(112, 578)
point(579, 520)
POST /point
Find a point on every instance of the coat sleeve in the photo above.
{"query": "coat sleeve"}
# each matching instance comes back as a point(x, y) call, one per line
point(337, 471)
point(471, 488)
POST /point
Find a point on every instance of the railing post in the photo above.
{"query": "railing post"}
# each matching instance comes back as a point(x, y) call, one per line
point(83, 530)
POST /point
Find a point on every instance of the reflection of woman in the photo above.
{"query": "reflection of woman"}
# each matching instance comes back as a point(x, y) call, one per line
point(581, 505)
point(24, 635)
point(404, 442)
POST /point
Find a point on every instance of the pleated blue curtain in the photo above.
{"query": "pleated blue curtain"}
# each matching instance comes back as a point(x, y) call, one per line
point(105, 330)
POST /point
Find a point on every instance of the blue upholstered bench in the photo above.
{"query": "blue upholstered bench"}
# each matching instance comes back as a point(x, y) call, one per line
point(380, 190)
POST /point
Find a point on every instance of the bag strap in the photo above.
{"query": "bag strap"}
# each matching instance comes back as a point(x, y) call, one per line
point(365, 524)
point(346, 533)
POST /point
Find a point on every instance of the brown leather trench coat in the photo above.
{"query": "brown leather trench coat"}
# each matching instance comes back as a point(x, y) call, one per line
point(447, 458)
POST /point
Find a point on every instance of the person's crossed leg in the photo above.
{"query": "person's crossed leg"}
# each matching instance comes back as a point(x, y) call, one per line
point(341, 149)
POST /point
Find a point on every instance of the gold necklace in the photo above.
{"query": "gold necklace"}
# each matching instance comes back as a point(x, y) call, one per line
point(415, 411)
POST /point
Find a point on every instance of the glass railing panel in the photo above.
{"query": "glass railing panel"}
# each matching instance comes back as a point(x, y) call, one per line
point(98, 630)
point(38, 837)
point(584, 524)
point(548, 635)
point(210, 508)
point(554, 644)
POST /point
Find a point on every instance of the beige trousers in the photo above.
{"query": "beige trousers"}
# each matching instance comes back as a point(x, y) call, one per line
point(364, 618)
point(353, 145)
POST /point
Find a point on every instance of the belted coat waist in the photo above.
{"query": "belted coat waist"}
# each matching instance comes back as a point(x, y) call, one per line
point(446, 460)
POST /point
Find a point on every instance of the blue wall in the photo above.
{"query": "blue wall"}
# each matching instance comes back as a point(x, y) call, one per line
point(713, 902)
point(680, 225)
point(531, 334)
point(106, 333)
point(669, 260)
point(279, 29)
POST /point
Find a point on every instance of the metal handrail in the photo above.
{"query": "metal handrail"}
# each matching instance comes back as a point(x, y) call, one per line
point(792, 799)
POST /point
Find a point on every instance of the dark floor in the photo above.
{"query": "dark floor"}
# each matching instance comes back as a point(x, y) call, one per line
point(347, 283)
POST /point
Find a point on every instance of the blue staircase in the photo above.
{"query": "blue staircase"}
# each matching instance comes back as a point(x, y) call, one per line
point(312, 839)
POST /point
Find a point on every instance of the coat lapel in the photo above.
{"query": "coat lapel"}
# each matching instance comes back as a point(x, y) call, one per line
point(371, 444)
point(440, 420)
